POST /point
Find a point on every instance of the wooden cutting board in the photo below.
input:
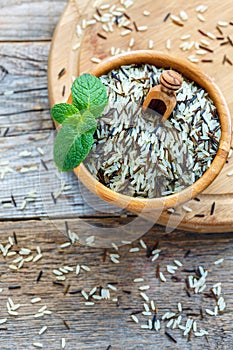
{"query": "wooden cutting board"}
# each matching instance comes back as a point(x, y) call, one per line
point(214, 211)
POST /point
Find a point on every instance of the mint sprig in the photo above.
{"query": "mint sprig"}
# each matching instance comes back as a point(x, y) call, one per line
point(75, 138)
point(89, 93)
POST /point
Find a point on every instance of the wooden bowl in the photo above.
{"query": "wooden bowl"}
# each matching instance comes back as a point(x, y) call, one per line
point(192, 72)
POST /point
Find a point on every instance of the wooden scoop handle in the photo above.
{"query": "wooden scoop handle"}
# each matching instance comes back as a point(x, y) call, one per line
point(162, 98)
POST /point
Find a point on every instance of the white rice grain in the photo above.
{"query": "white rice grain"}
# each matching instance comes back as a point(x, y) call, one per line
point(162, 277)
point(95, 60)
point(38, 345)
point(219, 261)
point(222, 23)
point(155, 257)
point(43, 330)
point(145, 297)
point(144, 287)
point(183, 15)
point(178, 263)
point(143, 244)
point(85, 268)
point(37, 257)
point(110, 286)
point(137, 280)
point(187, 209)
point(201, 17)
point(134, 318)
point(168, 44)
point(150, 44)
point(3, 320)
point(65, 245)
point(142, 28)
point(134, 250)
point(201, 8)
point(85, 295)
point(210, 312)
point(63, 343)
point(35, 300)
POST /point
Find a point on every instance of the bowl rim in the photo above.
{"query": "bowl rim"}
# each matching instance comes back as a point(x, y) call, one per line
point(192, 72)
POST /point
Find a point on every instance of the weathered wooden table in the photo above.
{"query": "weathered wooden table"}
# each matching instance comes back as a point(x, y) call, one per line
point(34, 228)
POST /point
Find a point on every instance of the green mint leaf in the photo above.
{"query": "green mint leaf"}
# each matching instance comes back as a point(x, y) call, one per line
point(88, 92)
point(71, 148)
point(83, 123)
point(61, 111)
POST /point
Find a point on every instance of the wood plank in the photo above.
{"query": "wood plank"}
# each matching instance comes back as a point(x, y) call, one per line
point(91, 45)
point(22, 172)
point(23, 89)
point(106, 324)
point(29, 20)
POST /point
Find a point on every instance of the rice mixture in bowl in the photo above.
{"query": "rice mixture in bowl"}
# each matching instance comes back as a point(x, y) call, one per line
point(137, 155)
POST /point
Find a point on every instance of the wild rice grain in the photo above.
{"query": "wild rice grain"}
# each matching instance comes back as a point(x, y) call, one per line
point(212, 209)
point(14, 287)
point(170, 337)
point(167, 16)
point(61, 73)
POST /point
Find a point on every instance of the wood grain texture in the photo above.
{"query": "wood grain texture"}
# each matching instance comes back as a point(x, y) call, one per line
point(79, 61)
point(105, 323)
point(29, 20)
point(23, 89)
